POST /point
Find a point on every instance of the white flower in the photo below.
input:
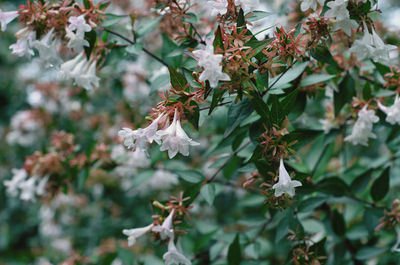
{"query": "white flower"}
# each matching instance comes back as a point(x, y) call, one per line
point(75, 42)
point(327, 125)
point(165, 230)
point(345, 24)
point(218, 6)
point(41, 186)
point(211, 64)
point(28, 189)
point(381, 51)
point(81, 71)
point(23, 46)
point(285, 183)
point(362, 129)
point(19, 175)
point(173, 256)
point(174, 139)
point(363, 47)
point(396, 246)
point(392, 112)
point(307, 4)
point(338, 10)
point(247, 5)
point(7, 17)
point(47, 48)
point(140, 137)
point(79, 25)
point(134, 233)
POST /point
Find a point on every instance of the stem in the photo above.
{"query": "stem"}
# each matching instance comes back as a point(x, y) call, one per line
point(220, 104)
point(282, 74)
point(133, 43)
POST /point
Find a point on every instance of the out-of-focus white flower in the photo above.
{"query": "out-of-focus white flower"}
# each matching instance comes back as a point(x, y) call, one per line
point(47, 48)
point(79, 25)
point(135, 86)
point(173, 256)
point(392, 112)
point(381, 50)
point(218, 6)
point(117, 261)
point(338, 9)
point(211, 64)
point(363, 47)
point(247, 5)
point(362, 129)
point(81, 71)
point(285, 183)
point(134, 233)
point(19, 175)
point(41, 186)
point(396, 246)
point(327, 125)
point(345, 24)
point(75, 42)
point(174, 139)
point(62, 244)
point(25, 40)
point(7, 17)
point(307, 4)
point(28, 188)
point(166, 230)
point(25, 129)
point(139, 158)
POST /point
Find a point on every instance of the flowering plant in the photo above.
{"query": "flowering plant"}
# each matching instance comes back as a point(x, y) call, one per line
point(200, 132)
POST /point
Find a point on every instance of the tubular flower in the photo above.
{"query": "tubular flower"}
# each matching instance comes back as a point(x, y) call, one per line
point(338, 10)
point(174, 139)
point(75, 41)
point(79, 25)
point(173, 256)
point(392, 112)
point(247, 5)
point(285, 183)
point(19, 175)
point(134, 233)
point(362, 129)
point(48, 50)
point(7, 17)
point(211, 64)
point(307, 4)
point(140, 137)
point(165, 230)
point(23, 46)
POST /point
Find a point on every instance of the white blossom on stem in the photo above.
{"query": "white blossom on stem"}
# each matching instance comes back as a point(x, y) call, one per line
point(381, 50)
point(392, 112)
point(47, 48)
point(285, 183)
point(218, 7)
point(212, 65)
point(134, 233)
point(23, 46)
point(173, 256)
point(174, 139)
point(19, 175)
point(79, 25)
point(7, 17)
point(166, 230)
point(338, 10)
point(75, 42)
point(307, 4)
point(362, 129)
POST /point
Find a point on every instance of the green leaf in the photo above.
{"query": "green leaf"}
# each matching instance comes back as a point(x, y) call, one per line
point(126, 256)
point(277, 114)
point(234, 251)
point(177, 79)
point(345, 94)
point(82, 177)
point(289, 101)
point(218, 42)
point(258, 45)
point(208, 193)
point(135, 49)
point(333, 185)
point(262, 109)
point(217, 96)
point(257, 15)
point(112, 19)
point(337, 223)
point(238, 113)
point(86, 4)
point(370, 252)
point(322, 54)
point(288, 76)
point(148, 26)
point(194, 116)
point(371, 218)
point(380, 187)
point(240, 20)
point(91, 37)
point(191, 176)
point(315, 79)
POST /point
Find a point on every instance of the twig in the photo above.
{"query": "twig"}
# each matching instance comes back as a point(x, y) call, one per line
point(220, 104)
point(133, 43)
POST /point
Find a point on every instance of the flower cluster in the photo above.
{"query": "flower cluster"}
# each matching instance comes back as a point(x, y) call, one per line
point(362, 129)
point(29, 187)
